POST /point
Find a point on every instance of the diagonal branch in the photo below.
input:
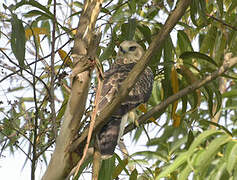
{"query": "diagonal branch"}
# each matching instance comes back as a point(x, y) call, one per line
point(228, 63)
point(128, 83)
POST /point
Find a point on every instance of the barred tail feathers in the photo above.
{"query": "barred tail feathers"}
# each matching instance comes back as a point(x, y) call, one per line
point(108, 137)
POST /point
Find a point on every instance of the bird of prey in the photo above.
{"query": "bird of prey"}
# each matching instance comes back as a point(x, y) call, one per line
point(128, 55)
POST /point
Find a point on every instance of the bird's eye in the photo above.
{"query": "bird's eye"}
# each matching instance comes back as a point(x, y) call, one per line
point(122, 50)
point(132, 48)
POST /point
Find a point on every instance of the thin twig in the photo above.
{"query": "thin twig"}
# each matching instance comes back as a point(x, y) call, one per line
point(20, 69)
point(17, 71)
point(222, 22)
point(36, 129)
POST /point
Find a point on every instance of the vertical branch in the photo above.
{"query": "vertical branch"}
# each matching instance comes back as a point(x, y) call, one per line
point(63, 160)
point(51, 96)
point(35, 131)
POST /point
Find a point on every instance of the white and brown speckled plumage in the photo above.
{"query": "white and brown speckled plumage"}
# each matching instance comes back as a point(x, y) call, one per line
point(129, 53)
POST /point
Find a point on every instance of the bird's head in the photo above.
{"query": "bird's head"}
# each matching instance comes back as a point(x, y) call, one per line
point(129, 52)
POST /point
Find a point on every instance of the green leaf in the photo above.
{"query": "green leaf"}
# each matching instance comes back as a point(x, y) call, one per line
point(190, 139)
point(133, 175)
point(34, 4)
point(177, 144)
point(202, 161)
point(230, 94)
point(84, 165)
point(132, 6)
point(107, 168)
point(231, 154)
point(38, 13)
point(217, 125)
point(119, 168)
point(168, 60)
point(208, 42)
point(203, 136)
point(232, 7)
point(15, 89)
point(184, 104)
point(108, 51)
point(220, 7)
point(218, 98)
point(132, 24)
point(104, 10)
point(151, 155)
point(62, 109)
point(221, 172)
point(193, 12)
point(172, 167)
point(185, 172)
point(202, 12)
point(18, 40)
point(209, 98)
point(128, 30)
point(198, 55)
point(220, 48)
point(184, 42)
point(146, 32)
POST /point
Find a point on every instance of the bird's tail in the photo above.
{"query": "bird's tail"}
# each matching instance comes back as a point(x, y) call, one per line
point(108, 137)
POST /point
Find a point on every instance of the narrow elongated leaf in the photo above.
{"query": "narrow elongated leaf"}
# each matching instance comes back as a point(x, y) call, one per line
point(175, 87)
point(221, 172)
point(182, 158)
point(208, 42)
point(168, 59)
point(146, 32)
point(128, 29)
point(132, 24)
point(218, 99)
point(133, 175)
point(108, 51)
point(185, 172)
point(231, 157)
point(107, 168)
point(191, 78)
point(210, 151)
point(232, 7)
point(217, 125)
point(209, 98)
point(65, 58)
point(38, 13)
point(198, 55)
point(193, 12)
point(177, 144)
point(230, 94)
point(151, 155)
point(221, 7)
point(132, 6)
point(35, 31)
point(34, 4)
point(18, 39)
point(184, 42)
point(119, 168)
point(203, 136)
